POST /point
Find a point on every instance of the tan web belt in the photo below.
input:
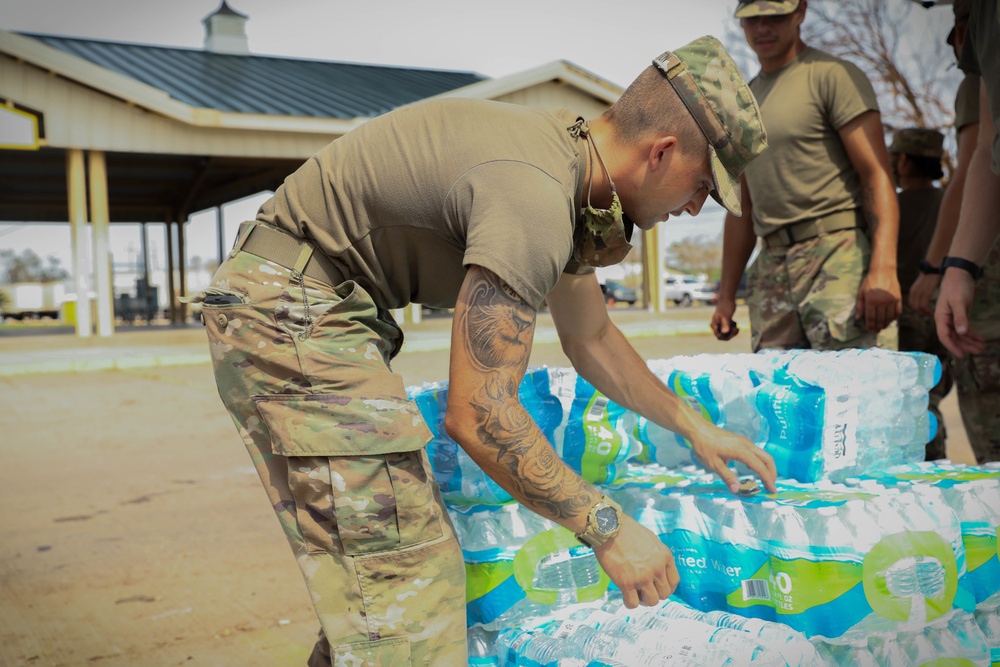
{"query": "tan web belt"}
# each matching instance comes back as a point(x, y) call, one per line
point(289, 251)
point(807, 229)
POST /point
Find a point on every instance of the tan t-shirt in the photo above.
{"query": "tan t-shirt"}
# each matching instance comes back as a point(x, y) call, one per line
point(981, 55)
point(805, 172)
point(407, 201)
point(967, 102)
point(918, 209)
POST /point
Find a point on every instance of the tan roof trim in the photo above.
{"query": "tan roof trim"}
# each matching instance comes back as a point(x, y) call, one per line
point(561, 70)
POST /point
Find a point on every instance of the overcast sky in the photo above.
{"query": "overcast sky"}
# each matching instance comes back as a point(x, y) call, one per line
point(614, 40)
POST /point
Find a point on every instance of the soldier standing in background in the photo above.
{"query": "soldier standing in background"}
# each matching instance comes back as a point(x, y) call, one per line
point(916, 163)
point(968, 308)
point(821, 199)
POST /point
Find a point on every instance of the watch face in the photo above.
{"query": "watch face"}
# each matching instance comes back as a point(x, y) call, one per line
point(607, 519)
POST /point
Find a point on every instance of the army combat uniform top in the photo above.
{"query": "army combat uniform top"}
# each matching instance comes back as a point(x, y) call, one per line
point(389, 214)
point(806, 199)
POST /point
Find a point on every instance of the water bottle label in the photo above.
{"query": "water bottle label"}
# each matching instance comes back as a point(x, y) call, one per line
point(565, 629)
point(712, 574)
point(755, 589)
point(696, 389)
point(597, 439)
point(840, 442)
point(983, 564)
point(490, 591)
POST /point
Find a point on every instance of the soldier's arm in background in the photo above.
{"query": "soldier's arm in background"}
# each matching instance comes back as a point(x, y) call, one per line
point(601, 354)
point(978, 229)
point(879, 301)
point(491, 343)
point(922, 291)
point(738, 241)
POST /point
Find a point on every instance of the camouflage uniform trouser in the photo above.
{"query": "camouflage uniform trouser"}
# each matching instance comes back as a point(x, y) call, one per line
point(804, 295)
point(917, 333)
point(978, 376)
point(303, 370)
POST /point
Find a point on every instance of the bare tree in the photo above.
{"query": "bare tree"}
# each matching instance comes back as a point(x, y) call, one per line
point(913, 75)
point(29, 267)
point(696, 254)
point(896, 43)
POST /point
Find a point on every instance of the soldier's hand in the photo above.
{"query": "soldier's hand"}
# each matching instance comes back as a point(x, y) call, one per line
point(951, 316)
point(715, 447)
point(879, 301)
point(723, 325)
point(639, 564)
point(922, 293)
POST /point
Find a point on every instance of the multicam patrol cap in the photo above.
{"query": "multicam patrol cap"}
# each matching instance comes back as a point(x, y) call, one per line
point(918, 141)
point(750, 8)
point(714, 92)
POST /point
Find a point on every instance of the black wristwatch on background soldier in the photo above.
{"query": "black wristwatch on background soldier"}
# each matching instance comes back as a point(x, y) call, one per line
point(974, 269)
point(927, 268)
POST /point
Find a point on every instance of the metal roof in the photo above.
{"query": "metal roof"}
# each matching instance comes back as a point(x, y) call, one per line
point(265, 84)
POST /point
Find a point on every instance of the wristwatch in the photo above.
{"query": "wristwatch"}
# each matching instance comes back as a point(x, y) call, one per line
point(928, 268)
point(603, 522)
point(959, 263)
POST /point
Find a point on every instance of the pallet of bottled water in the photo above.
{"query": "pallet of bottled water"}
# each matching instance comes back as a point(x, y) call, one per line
point(821, 415)
point(873, 573)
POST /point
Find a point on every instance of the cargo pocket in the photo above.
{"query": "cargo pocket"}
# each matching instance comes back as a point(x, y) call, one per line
point(357, 470)
point(984, 370)
point(418, 592)
point(392, 652)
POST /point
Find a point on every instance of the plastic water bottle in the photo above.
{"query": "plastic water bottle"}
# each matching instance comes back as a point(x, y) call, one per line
point(481, 644)
point(688, 541)
point(513, 645)
point(742, 562)
point(791, 427)
point(490, 537)
point(987, 618)
point(793, 646)
point(858, 366)
point(566, 571)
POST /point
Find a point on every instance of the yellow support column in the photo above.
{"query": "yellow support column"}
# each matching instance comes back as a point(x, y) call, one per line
point(76, 190)
point(100, 218)
point(652, 270)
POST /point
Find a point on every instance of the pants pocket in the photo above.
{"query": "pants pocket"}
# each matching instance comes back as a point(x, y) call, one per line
point(383, 502)
point(984, 371)
point(391, 652)
point(357, 471)
point(418, 592)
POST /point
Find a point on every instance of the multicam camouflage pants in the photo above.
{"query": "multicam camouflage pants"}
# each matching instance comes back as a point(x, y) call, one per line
point(978, 376)
point(303, 370)
point(917, 333)
point(804, 295)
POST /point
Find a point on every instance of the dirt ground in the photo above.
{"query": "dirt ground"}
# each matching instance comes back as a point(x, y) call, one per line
point(135, 532)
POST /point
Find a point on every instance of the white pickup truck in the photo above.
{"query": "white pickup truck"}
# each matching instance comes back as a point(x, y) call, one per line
point(685, 290)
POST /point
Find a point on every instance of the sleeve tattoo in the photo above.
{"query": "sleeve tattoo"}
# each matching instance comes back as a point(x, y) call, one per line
point(498, 329)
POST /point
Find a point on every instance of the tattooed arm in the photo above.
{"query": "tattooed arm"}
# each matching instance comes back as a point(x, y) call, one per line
point(601, 353)
point(491, 343)
point(879, 301)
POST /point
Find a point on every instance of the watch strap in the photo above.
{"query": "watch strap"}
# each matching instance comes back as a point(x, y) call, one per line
point(928, 268)
point(974, 269)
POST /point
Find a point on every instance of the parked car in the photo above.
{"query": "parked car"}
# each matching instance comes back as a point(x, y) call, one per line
point(616, 292)
point(685, 290)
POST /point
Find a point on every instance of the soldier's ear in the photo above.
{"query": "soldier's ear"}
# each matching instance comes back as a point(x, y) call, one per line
point(661, 150)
